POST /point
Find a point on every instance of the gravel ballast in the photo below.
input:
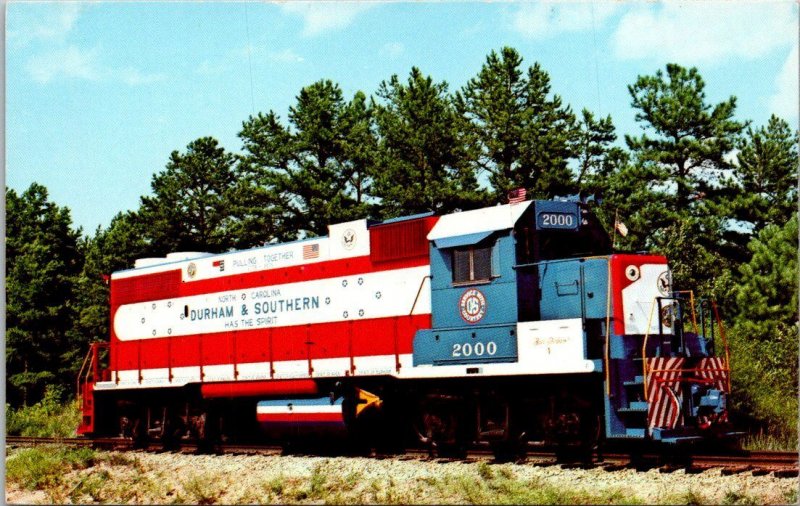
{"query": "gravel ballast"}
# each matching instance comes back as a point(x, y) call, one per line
point(153, 478)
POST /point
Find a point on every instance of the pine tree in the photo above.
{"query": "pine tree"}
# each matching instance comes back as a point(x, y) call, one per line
point(680, 161)
point(687, 139)
point(42, 263)
point(314, 172)
point(188, 210)
point(764, 343)
point(592, 145)
point(111, 249)
point(519, 133)
point(766, 175)
point(422, 161)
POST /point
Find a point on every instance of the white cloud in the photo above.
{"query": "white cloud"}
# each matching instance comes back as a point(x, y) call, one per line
point(321, 17)
point(72, 62)
point(256, 53)
point(541, 20)
point(53, 24)
point(704, 32)
point(134, 77)
point(392, 49)
point(206, 68)
point(285, 56)
point(784, 103)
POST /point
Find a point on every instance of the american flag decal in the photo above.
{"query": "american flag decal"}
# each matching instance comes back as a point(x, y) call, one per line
point(715, 371)
point(310, 251)
point(220, 264)
point(663, 392)
point(516, 195)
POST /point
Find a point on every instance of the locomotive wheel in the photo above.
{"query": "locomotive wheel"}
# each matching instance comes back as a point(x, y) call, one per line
point(205, 431)
point(514, 449)
point(141, 439)
point(592, 441)
point(438, 428)
point(171, 432)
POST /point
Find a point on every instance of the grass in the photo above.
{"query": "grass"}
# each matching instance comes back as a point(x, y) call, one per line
point(505, 488)
point(44, 467)
point(47, 418)
point(769, 442)
point(202, 489)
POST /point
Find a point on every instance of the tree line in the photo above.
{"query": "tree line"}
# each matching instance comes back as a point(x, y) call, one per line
point(716, 194)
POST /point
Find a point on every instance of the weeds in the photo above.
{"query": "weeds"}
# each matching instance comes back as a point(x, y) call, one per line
point(316, 482)
point(485, 471)
point(45, 467)
point(47, 418)
point(693, 498)
point(202, 489)
point(769, 442)
point(91, 486)
point(732, 497)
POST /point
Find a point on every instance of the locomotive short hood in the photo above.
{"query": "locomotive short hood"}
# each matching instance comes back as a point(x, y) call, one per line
point(470, 227)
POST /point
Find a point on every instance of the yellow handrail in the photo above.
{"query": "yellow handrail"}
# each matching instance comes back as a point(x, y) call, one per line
point(724, 342)
point(644, 346)
point(80, 373)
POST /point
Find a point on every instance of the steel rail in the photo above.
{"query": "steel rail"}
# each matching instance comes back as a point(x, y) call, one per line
point(782, 464)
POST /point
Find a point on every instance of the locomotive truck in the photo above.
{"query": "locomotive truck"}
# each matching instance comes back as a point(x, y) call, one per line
point(505, 325)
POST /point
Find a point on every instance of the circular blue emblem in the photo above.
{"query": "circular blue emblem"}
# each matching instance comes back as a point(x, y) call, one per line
point(472, 305)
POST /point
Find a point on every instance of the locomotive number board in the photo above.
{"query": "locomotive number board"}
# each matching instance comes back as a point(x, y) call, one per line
point(557, 215)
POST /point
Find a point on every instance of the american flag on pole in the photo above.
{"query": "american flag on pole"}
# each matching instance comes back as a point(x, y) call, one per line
point(516, 195)
point(663, 391)
point(310, 251)
point(621, 228)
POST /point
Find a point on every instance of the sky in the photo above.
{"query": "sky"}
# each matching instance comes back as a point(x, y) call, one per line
point(99, 94)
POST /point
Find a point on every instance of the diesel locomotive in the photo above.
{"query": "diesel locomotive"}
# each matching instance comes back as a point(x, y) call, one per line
point(505, 325)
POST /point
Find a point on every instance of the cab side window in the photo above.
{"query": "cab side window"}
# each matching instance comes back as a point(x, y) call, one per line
point(473, 263)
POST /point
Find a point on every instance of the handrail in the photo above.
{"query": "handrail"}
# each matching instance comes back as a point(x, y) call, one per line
point(691, 304)
point(724, 341)
point(90, 365)
point(720, 328)
point(419, 291)
point(644, 346)
point(80, 373)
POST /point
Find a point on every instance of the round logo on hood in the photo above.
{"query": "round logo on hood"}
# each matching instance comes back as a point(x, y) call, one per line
point(472, 305)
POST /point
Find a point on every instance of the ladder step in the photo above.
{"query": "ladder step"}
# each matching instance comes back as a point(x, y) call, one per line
point(637, 381)
point(639, 407)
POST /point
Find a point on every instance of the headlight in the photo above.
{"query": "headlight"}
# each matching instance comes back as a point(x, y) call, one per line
point(632, 272)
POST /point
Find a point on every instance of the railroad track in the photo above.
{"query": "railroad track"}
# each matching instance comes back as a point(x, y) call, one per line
point(781, 464)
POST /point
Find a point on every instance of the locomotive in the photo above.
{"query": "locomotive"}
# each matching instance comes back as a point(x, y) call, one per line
point(506, 325)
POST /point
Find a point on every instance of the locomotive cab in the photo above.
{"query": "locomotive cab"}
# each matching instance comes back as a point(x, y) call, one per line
point(533, 292)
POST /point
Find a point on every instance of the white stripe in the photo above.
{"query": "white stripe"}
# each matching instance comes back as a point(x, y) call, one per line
point(356, 297)
point(276, 256)
point(298, 408)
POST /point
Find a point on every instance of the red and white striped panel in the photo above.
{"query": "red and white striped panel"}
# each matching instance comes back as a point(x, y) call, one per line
point(663, 391)
point(714, 369)
point(332, 318)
